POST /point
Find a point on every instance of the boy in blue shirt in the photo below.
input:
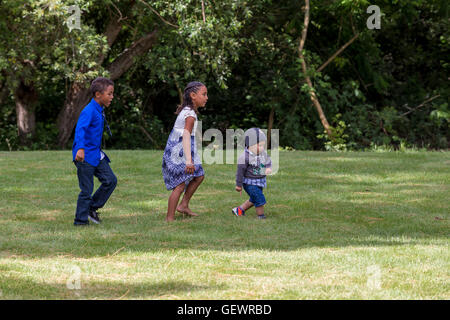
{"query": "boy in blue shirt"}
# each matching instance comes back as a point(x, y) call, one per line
point(88, 157)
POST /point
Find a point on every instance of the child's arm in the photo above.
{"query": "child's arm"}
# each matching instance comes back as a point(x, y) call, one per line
point(268, 165)
point(189, 125)
point(80, 133)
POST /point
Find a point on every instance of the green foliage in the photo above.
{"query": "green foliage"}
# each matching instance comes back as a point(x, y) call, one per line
point(132, 125)
point(376, 93)
point(337, 141)
point(197, 49)
point(36, 45)
point(8, 132)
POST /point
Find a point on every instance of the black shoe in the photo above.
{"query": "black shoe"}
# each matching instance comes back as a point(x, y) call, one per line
point(93, 216)
point(81, 224)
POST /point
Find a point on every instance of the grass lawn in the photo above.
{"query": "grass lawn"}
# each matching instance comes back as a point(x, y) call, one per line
point(339, 226)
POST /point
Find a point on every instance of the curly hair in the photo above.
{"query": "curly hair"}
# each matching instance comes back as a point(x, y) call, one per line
point(100, 84)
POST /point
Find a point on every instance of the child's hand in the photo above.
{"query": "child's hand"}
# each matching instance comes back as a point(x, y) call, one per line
point(190, 168)
point(268, 171)
point(80, 155)
point(239, 189)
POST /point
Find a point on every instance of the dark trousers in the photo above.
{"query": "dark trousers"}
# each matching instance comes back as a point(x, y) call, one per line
point(86, 202)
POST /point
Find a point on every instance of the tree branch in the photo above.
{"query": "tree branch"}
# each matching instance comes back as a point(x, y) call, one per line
point(120, 13)
point(305, 28)
point(113, 28)
point(180, 92)
point(338, 53)
point(420, 105)
point(156, 12)
point(125, 60)
point(145, 132)
point(203, 11)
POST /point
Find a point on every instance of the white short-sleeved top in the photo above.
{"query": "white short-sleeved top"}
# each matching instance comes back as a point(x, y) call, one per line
point(181, 120)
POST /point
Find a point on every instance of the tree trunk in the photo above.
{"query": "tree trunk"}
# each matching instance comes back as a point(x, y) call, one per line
point(316, 103)
point(79, 95)
point(25, 97)
point(314, 98)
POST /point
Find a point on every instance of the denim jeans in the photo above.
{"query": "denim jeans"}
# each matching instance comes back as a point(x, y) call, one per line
point(86, 202)
point(256, 194)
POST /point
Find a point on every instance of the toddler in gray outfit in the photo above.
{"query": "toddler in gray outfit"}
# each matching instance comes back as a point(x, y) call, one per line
point(253, 166)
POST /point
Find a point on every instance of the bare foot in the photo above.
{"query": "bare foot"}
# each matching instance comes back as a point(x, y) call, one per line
point(186, 211)
point(170, 217)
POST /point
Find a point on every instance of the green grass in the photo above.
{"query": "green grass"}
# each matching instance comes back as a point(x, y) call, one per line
point(340, 226)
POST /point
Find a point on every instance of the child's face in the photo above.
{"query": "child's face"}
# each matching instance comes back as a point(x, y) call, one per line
point(104, 98)
point(200, 97)
point(257, 148)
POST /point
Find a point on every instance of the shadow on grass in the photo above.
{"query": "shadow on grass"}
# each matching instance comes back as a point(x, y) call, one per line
point(141, 232)
point(16, 287)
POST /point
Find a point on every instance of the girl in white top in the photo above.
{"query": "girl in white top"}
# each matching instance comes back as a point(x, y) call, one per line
point(181, 166)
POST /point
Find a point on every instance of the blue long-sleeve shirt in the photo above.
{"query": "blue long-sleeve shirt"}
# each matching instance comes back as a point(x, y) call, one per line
point(89, 132)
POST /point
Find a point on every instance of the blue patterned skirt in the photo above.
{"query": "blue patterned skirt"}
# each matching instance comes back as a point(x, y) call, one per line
point(174, 162)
